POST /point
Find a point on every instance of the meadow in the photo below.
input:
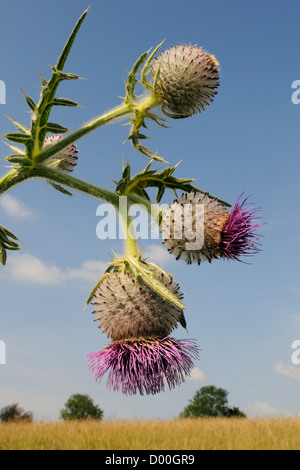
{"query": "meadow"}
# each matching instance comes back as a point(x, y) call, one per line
point(178, 434)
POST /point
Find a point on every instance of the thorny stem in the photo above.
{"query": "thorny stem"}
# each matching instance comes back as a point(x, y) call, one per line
point(13, 178)
point(122, 110)
point(107, 195)
point(111, 115)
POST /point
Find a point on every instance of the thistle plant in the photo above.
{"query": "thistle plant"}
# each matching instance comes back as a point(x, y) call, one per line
point(137, 305)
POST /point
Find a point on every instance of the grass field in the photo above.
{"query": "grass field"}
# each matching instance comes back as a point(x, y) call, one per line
point(180, 434)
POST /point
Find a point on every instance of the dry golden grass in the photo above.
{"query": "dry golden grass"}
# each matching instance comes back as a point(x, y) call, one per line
point(180, 434)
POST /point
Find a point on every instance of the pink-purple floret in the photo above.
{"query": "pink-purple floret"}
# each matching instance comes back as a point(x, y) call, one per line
point(143, 366)
point(239, 237)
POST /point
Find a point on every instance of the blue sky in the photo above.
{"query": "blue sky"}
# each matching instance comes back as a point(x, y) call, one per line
point(245, 317)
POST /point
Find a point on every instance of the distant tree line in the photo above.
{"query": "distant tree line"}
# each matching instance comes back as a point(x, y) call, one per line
point(15, 413)
point(208, 401)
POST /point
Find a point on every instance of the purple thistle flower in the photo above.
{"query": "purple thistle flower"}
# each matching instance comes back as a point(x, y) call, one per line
point(229, 235)
point(143, 365)
point(238, 235)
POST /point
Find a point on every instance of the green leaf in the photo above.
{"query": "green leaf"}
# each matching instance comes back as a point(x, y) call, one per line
point(29, 101)
point(147, 64)
point(20, 127)
point(64, 102)
point(15, 149)
point(47, 96)
point(56, 128)
point(15, 158)
point(182, 321)
point(149, 278)
point(64, 76)
point(3, 255)
point(105, 275)
point(60, 189)
point(18, 137)
point(7, 242)
point(132, 80)
point(44, 82)
point(67, 48)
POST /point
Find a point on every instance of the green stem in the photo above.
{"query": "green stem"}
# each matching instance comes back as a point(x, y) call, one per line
point(147, 102)
point(131, 246)
point(13, 178)
point(111, 115)
point(101, 193)
point(65, 179)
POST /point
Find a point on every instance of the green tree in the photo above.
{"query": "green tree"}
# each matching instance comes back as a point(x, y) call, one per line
point(210, 401)
point(80, 407)
point(14, 413)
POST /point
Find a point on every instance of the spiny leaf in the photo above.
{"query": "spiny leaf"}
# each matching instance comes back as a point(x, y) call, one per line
point(19, 126)
point(64, 76)
point(3, 255)
point(105, 275)
point(18, 137)
point(67, 48)
point(64, 102)
point(56, 128)
point(146, 66)
point(132, 80)
point(44, 82)
point(149, 278)
point(29, 101)
point(15, 158)
point(60, 189)
point(8, 241)
point(15, 149)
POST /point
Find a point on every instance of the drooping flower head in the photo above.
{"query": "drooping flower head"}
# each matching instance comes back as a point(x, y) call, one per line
point(197, 228)
point(144, 365)
point(66, 159)
point(142, 356)
point(185, 78)
point(126, 308)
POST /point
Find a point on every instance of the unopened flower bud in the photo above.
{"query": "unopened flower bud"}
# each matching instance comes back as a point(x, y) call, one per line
point(210, 233)
point(66, 159)
point(185, 79)
point(126, 308)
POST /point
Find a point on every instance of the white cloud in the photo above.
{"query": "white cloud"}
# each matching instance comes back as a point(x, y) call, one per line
point(28, 268)
point(90, 271)
point(14, 208)
point(261, 409)
point(158, 254)
point(292, 372)
point(196, 375)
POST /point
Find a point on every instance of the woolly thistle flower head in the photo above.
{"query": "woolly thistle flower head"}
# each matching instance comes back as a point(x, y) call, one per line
point(143, 365)
point(126, 308)
point(66, 159)
point(185, 79)
point(197, 228)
